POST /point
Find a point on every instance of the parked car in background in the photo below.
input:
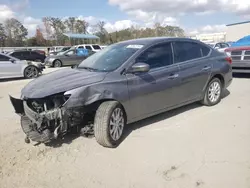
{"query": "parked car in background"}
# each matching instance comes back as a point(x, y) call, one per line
point(102, 47)
point(121, 84)
point(42, 52)
point(55, 49)
point(92, 47)
point(66, 58)
point(63, 49)
point(240, 58)
point(28, 55)
point(11, 67)
point(220, 46)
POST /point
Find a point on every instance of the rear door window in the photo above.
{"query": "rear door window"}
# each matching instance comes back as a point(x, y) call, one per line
point(185, 51)
point(88, 47)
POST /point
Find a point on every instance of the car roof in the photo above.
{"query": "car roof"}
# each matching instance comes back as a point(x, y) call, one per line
point(153, 40)
point(21, 51)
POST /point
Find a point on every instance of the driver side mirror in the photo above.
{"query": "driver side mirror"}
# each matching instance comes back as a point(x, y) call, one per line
point(12, 60)
point(216, 48)
point(139, 67)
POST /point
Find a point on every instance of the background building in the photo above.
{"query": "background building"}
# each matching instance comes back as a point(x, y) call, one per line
point(211, 37)
point(236, 31)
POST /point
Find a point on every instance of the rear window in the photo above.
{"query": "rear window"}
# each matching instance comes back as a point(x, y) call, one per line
point(96, 47)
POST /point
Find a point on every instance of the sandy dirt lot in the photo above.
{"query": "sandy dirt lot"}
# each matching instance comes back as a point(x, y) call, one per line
point(194, 146)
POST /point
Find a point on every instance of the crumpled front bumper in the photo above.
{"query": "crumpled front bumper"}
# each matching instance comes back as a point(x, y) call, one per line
point(17, 104)
point(58, 114)
point(65, 117)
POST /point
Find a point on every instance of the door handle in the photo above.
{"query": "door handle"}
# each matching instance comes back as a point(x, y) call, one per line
point(206, 68)
point(173, 76)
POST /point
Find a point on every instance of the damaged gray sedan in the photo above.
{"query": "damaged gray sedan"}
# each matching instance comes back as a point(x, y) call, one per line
point(121, 84)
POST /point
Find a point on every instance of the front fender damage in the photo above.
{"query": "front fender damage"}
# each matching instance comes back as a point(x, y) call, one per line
point(46, 122)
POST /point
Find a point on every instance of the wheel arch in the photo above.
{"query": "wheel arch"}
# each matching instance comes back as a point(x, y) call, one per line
point(94, 105)
point(220, 77)
point(217, 75)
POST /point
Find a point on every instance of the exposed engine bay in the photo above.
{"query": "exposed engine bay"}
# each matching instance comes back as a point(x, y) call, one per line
point(46, 119)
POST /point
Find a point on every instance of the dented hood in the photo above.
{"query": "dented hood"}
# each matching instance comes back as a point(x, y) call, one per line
point(60, 81)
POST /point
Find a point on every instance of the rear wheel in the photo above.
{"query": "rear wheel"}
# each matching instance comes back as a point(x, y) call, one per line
point(31, 72)
point(109, 123)
point(57, 63)
point(213, 93)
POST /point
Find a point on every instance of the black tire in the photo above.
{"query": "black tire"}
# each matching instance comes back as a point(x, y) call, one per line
point(102, 126)
point(30, 72)
point(207, 100)
point(57, 63)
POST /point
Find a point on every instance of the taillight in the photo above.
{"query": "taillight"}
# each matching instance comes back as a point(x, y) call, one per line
point(229, 60)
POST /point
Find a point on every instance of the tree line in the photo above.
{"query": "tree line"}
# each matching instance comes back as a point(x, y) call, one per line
point(13, 33)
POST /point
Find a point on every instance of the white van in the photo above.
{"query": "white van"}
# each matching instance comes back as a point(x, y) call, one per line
point(93, 47)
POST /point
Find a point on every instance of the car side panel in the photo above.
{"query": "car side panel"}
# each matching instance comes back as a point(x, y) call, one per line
point(223, 68)
point(9, 69)
point(153, 91)
point(194, 75)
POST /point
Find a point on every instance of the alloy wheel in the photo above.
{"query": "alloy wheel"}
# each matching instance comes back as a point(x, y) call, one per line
point(116, 122)
point(31, 72)
point(214, 92)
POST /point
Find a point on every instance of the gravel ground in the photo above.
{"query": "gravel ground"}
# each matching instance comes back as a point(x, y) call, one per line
point(194, 146)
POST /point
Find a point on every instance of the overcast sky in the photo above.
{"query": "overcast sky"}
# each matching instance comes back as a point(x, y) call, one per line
point(195, 16)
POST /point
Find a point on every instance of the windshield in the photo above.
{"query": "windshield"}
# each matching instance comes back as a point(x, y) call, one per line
point(110, 58)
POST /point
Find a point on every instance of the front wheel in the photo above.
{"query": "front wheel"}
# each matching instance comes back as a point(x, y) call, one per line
point(109, 123)
point(57, 63)
point(213, 93)
point(31, 72)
